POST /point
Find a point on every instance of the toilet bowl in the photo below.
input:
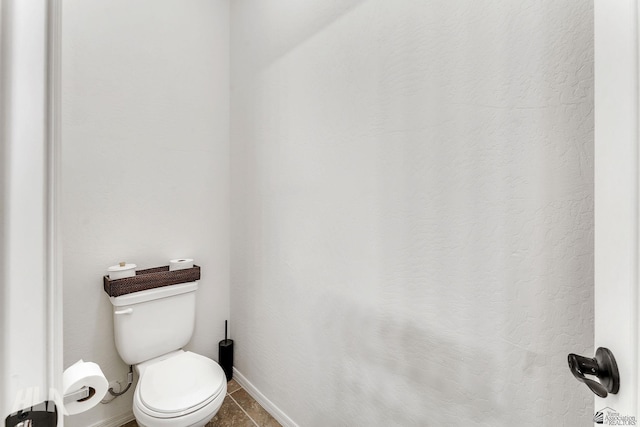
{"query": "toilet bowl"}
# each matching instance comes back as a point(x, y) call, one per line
point(182, 389)
point(176, 388)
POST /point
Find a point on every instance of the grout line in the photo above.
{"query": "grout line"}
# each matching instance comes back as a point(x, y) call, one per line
point(245, 412)
point(239, 388)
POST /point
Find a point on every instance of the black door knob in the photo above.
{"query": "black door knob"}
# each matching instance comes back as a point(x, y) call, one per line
point(603, 367)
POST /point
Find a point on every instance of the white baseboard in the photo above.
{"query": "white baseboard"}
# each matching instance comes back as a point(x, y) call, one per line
point(268, 405)
point(115, 421)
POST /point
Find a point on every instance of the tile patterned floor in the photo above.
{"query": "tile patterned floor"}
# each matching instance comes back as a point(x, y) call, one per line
point(239, 409)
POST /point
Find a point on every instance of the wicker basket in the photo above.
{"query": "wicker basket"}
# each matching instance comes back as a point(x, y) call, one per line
point(149, 279)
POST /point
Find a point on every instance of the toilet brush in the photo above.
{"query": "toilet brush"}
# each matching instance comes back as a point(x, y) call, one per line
point(225, 354)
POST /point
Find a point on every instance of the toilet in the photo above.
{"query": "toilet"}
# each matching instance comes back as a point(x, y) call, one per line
point(176, 388)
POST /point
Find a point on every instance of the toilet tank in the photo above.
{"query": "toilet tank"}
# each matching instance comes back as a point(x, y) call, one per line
point(154, 322)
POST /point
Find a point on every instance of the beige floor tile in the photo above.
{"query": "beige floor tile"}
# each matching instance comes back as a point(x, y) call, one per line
point(230, 415)
point(232, 386)
point(253, 408)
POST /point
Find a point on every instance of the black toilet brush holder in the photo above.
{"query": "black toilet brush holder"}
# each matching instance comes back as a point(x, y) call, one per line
point(225, 354)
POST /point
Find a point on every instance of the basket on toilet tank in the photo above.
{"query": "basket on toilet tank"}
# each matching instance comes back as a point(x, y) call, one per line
point(149, 279)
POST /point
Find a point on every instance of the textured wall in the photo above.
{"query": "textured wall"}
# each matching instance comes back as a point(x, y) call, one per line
point(412, 209)
point(145, 121)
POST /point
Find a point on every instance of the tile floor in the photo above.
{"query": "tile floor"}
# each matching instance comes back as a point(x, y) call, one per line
point(239, 409)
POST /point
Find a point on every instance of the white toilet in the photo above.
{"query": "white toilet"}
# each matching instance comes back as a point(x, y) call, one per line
point(176, 388)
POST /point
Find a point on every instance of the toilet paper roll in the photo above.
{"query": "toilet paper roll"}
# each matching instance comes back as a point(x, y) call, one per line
point(84, 374)
point(121, 271)
point(180, 264)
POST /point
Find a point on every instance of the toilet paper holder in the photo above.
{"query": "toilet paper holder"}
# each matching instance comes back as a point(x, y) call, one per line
point(79, 395)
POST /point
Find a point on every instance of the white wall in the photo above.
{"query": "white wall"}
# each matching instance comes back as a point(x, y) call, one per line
point(146, 163)
point(412, 209)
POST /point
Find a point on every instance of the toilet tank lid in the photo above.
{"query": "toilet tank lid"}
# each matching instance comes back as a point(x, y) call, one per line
point(152, 294)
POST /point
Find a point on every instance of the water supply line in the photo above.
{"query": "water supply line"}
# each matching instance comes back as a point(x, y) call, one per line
point(120, 393)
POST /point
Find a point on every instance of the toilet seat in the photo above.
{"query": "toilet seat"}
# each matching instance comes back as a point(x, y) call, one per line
point(179, 385)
